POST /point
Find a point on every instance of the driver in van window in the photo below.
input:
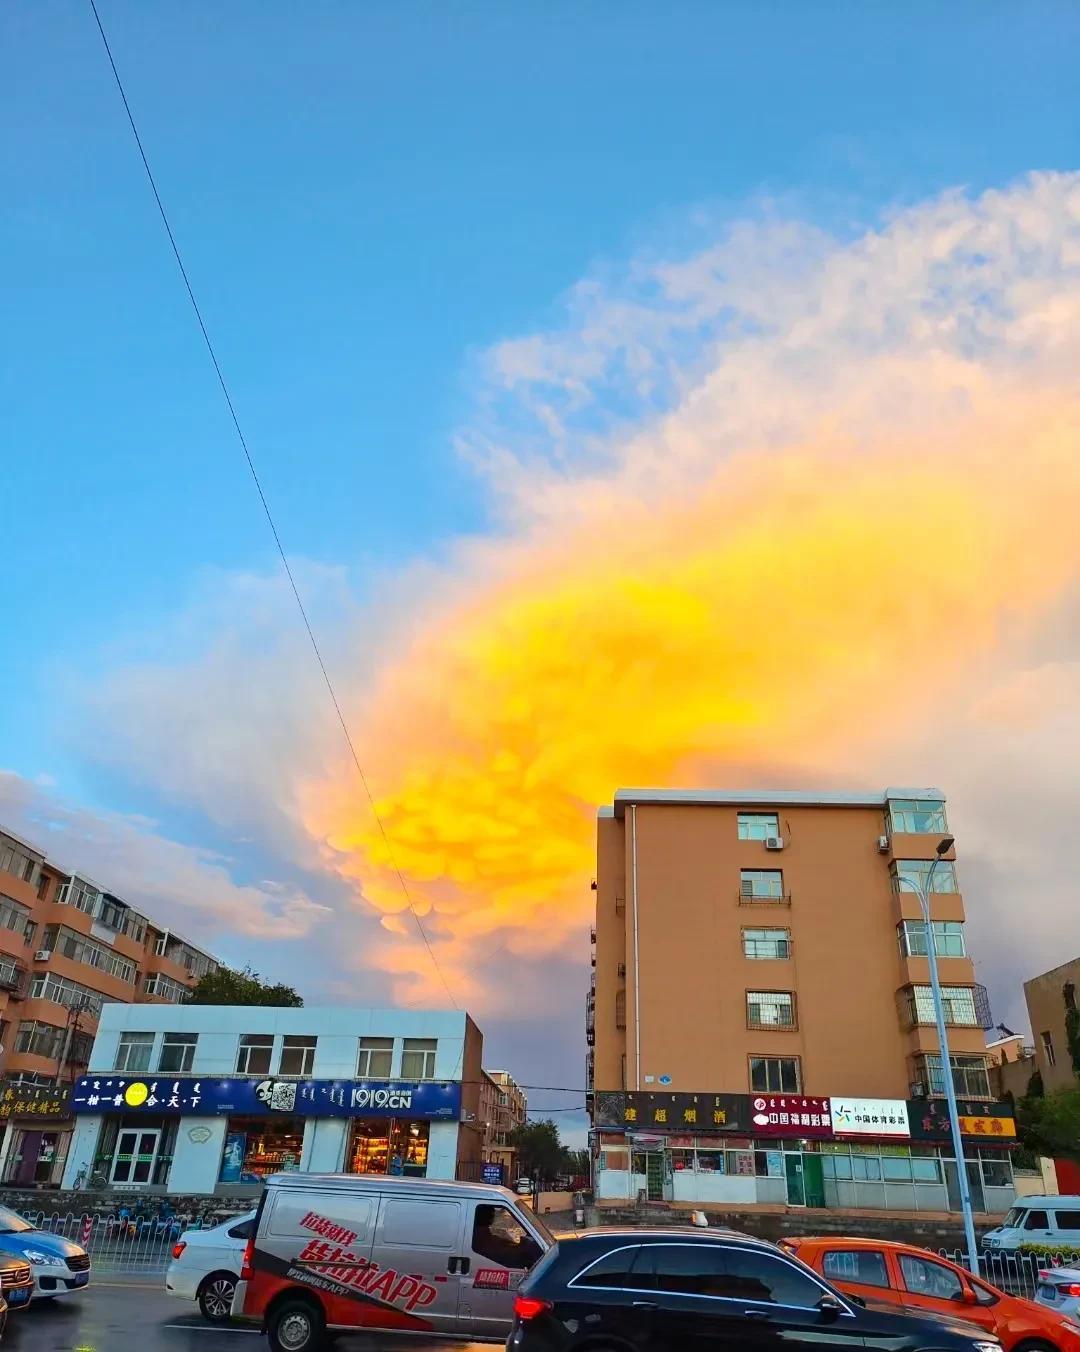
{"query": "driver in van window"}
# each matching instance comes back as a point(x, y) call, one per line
point(497, 1236)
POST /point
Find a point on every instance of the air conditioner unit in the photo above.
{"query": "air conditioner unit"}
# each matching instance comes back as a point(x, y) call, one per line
point(43, 955)
point(917, 1089)
point(883, 844)
point(774, 842)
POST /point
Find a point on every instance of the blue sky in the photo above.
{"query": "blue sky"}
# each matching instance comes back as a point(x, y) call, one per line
point(369, 197)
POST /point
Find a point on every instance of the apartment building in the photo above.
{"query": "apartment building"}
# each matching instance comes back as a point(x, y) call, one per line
point(760, 1015)
point(1052, 1004)
point(212, 1099)
point(68, 947)
point(503, 1108)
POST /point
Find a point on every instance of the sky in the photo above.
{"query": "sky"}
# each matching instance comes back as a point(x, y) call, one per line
point(643, 397)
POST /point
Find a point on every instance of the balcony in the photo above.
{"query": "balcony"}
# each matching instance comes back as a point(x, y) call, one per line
point(14, 979)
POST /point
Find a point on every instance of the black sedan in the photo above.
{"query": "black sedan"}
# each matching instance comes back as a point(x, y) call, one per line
point(675, 1290)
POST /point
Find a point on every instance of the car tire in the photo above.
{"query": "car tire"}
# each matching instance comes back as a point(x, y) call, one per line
point(215, 1297)
point(296, 1326)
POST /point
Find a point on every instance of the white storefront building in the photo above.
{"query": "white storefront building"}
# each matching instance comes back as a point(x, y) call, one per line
point(204, 1099)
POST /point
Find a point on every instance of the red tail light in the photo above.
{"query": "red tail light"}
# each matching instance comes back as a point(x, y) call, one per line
point(1063, 1288)
point(245, 1266)
point(528, 1307)
point(178, 1248)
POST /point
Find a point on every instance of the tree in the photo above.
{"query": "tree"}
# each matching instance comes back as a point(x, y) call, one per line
point(229, 987)
point(541, 1153)
point(1072, 1024)
point(1050, 1125)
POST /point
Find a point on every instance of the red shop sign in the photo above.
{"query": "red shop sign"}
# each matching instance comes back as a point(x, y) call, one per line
point(791, 1115)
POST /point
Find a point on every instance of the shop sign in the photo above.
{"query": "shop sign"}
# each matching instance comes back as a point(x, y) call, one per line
point(492, 1173)
point(27, 1100)
point(692, 1113)
point(791, 1115)
point(203, 1096)
point(869, 1117)
point(986, 1122)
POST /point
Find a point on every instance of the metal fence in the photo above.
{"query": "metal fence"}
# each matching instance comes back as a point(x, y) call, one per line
point(120, 1241)
point(1016, 1273)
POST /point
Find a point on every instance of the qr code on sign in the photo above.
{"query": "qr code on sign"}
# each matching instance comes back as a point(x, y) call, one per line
point(283, 1097)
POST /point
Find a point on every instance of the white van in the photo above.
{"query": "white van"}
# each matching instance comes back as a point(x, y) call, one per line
point(1037, 1220)
point(345, 1252)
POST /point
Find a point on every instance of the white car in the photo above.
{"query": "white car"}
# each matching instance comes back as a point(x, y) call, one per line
point(523, 1187)
point(1059, 1289)
point(205, 1265)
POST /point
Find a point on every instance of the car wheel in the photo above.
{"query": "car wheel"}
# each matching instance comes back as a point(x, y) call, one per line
point(296, 1326)
point(216, 1296)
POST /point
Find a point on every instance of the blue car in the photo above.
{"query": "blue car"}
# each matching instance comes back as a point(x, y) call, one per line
point(59, 1266)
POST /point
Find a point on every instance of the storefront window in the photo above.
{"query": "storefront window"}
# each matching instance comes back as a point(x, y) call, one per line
point(382, 1145)
point(256, 1147)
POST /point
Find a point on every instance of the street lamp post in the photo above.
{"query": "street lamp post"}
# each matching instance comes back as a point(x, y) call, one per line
point(923, 893)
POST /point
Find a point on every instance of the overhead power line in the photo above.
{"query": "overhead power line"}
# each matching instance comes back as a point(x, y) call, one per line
point(266, 507)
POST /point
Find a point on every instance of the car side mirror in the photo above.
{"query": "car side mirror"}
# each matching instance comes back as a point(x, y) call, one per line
point(968, 1296)
point(830, 1306)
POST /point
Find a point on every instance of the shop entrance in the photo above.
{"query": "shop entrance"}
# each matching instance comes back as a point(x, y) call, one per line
point(796, 1184)
point(135, 1154)
point(975, 1185)
point(388, 1145)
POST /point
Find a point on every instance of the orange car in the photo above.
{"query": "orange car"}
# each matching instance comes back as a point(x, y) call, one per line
point(900, 1274)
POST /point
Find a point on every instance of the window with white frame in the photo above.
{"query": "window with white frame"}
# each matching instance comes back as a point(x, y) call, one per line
point(13, 916)
point(297, 1055)
point(758, 825)
point(418, 1058)
point(770, 1009)
point(970, 1076)
point(916, 874)
point(62, 991)
point(18, 862)
point(165, 988)
point(254, 1054)
point(178, 1052)
point(1048, 1049)
point(375, 1059)
point(133, 1052)
point(40, 1039)
point(916, 817)
point(948, 938)
point(766, 943)
point(761, 884)
point(958, 1003)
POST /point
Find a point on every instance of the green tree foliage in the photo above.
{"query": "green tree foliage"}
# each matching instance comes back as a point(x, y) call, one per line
point(541, 1153)
point(1050, 1124)
point(229, 987)
point(1072, 1024)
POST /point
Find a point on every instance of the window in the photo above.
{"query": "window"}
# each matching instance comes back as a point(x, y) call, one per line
point(958, 1003)
point(770, 1009)
point(1048, 1048)
point(297, 1056)
point(916, 873)
point(916, 817)
point(733, 1274)
point(1037, 1220)
point(254, 1054)
point(376, 1058)
point(758, 825)
point(70, 944)
point(997, 1173)
point(178, 1052)
point(1068, 1220)
point(624, 1269)
point(925, 1278)
point(948, 938)
point(165, 988)
point(112, 914)
point(766, 943)
point(61, 991)
point(17, 862)
point(245, 1230)
point(418, 1058)
point(499, 1236)
point(970, 1076)
point(133, 1052)
point(40, 1039)
point(13, 916)
point(775, 1075)
point(82, 895)
point(761, 884)
point(866, 1266)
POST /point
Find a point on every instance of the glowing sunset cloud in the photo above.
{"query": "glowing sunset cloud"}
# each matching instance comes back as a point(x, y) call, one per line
point(865, 468)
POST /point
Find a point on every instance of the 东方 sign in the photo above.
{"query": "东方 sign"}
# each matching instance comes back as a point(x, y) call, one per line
point(869, 1117)
point(988, 1122)
point(206, 1096)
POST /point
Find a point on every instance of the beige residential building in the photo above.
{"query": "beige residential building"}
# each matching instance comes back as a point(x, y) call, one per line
point(1050, 997)
point(503, 1108)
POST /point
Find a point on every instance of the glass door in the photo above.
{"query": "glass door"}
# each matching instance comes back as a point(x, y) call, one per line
point(796, 1185)
point(135, 1155)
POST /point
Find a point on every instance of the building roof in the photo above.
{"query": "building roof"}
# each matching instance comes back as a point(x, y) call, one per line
point(762, 798)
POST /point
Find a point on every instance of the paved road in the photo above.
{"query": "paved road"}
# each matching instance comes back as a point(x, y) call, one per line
point(140, 1318)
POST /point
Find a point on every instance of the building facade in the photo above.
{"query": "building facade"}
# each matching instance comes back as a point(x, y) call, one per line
point(503, 1109)
point(211, 1099)
point(68, 948)
point(765, 955)
point(1052, 997)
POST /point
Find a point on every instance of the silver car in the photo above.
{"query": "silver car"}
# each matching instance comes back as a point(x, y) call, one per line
point(1059, 1290)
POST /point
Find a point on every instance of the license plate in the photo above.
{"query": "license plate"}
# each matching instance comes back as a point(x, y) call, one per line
point(18, 1297)
point(81, 1278)
point(1045, 1289)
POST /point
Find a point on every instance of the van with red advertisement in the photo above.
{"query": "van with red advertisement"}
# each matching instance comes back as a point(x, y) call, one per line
point(346, 1252)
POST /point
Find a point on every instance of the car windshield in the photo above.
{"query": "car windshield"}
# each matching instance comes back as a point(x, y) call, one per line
point(542, 1230)
point(10, 1224)
point(1014, 1216)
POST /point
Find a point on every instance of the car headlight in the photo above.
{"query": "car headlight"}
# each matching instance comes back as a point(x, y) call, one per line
point(987, 1345)
point(44, 1259)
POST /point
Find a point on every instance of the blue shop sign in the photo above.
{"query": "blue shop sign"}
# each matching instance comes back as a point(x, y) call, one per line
point(209, 1096)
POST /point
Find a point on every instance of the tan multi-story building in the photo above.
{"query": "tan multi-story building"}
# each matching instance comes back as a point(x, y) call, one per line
point(503, 1108)
point(1051, 997)
point(67, 947)
point(769, 946)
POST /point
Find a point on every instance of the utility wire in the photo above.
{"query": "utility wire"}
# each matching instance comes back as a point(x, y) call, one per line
point(266, 505)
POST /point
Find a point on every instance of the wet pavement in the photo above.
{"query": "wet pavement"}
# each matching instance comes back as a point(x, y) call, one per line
point(141, 1318)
